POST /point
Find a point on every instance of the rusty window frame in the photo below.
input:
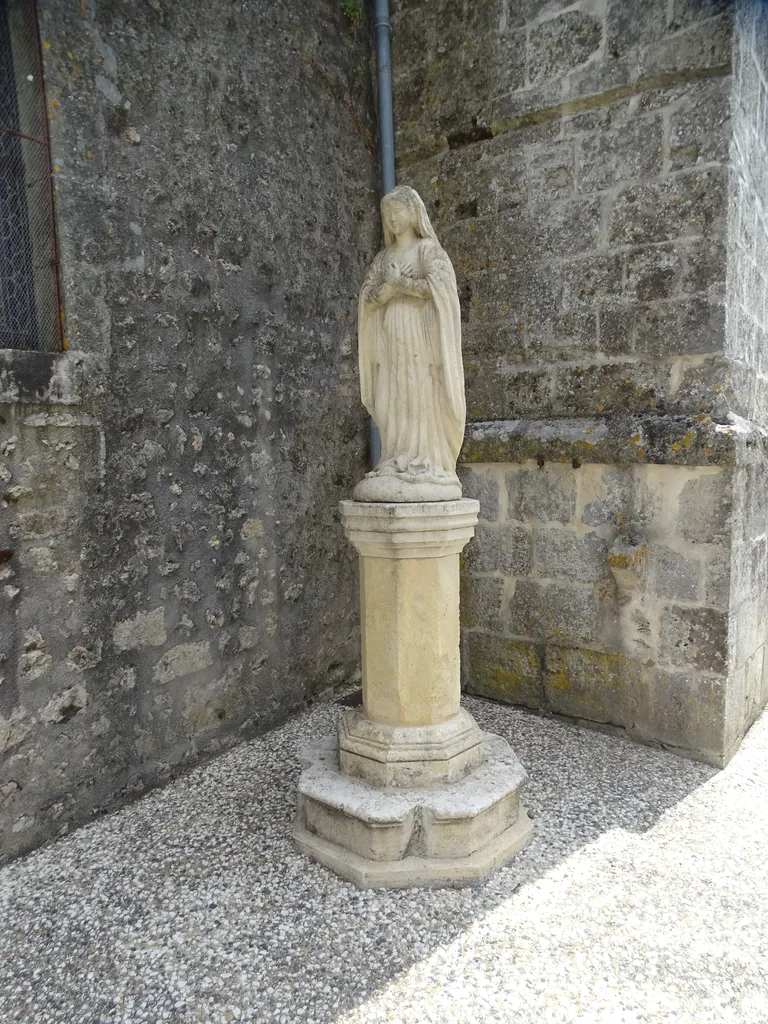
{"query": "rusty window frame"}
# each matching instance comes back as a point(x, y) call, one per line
point(30, 303)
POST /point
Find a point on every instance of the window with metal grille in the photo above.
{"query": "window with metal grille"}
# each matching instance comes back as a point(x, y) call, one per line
point(29, 301)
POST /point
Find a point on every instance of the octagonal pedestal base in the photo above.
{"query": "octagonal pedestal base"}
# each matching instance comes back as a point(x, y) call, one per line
point(409, 756)
point(451, 835)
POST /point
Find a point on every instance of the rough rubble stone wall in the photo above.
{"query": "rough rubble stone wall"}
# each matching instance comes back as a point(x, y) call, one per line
point(172, 570)
point(747, 345)
point(575, 161)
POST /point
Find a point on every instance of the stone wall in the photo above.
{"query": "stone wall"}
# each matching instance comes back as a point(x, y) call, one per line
point(602, 593)
point(747, 347)
point(173, 574)
point(575, 161)
point(579, 181)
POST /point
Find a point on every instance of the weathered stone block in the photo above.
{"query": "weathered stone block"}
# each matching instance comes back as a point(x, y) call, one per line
point(552, 170)
point(699, 125)
point(705, 261)
point(183, 660)
point(471, 242)
point(608, 115)
point(610, 388)
point(145, 629)
point(482, 487)
point(575, 329)
point(482, 343)
point(599, 82)
point(690, 204)
point(415, 31)
point(507, 172)
point(653, 272)
point(685, 710)
point(631, 23)
point(547, 494)
point(706, 388)
point(481, 601)
point(553, 229)
point(557, 45)
point(592, 685)
point(531, 114)
point(675, 575)
point(592, 277)
point(717, 581)
point(617, 327)
point(416, 134)
point(616, 502)
point(692, 327)
point(500, 548)
point(694, 636)
point(628, 562)
point(552, 612)
point(685, 12)
point(560, 554)
point(748, 628)
point(705, 44)
point(493, 62)
point(631, 151)
point(755, 685)
point(506, 393)
point(704, 507)
point(504, 669)
point(511, 294)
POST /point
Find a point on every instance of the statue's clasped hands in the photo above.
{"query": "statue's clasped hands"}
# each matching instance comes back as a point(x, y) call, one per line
point(396, 281)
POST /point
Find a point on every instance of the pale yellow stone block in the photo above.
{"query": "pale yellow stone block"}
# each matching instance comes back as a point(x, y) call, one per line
point(409, 612)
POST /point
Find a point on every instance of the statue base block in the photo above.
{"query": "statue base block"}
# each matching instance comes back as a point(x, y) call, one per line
point(389, 487)
point(453, 835)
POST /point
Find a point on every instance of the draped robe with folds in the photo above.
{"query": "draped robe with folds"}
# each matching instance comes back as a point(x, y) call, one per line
point(411, 373)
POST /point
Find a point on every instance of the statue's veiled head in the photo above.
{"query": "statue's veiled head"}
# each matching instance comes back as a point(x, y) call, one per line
point(401, 208)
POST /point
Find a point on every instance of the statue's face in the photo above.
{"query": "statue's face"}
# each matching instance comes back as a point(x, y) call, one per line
point(399, 217)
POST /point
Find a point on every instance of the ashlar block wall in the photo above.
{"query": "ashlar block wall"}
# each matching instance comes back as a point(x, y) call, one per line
point(568, 607)
point(597, 173)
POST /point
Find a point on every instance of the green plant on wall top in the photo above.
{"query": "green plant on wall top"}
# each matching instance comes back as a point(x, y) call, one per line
point(352, 10)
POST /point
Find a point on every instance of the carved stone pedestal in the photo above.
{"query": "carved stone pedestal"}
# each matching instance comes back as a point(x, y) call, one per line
point(411, 792)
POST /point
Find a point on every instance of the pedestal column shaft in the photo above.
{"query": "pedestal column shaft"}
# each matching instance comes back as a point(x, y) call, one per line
point(409, 613)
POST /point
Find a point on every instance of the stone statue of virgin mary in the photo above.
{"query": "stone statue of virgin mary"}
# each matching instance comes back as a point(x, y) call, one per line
point(411, 374)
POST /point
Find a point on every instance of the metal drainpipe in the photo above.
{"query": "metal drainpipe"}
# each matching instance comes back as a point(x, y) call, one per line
point(386, 134)
point(386, 122)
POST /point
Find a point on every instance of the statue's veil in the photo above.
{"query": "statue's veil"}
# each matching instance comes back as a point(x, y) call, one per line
point(410, 197)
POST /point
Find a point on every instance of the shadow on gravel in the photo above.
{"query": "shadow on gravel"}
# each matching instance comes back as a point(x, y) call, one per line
point(193, 905)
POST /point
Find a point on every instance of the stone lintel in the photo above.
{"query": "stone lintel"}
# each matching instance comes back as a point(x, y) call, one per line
point(662, 440)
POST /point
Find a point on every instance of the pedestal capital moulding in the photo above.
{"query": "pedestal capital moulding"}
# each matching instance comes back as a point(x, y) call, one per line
point(425, 529)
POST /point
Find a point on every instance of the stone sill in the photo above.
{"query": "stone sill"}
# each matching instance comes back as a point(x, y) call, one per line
point(41, 378)
point(641, 440)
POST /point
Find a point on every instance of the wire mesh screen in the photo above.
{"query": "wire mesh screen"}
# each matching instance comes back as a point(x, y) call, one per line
point(29, 301)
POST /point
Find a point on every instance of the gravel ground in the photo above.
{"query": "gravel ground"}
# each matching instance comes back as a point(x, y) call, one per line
point(643, 897)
